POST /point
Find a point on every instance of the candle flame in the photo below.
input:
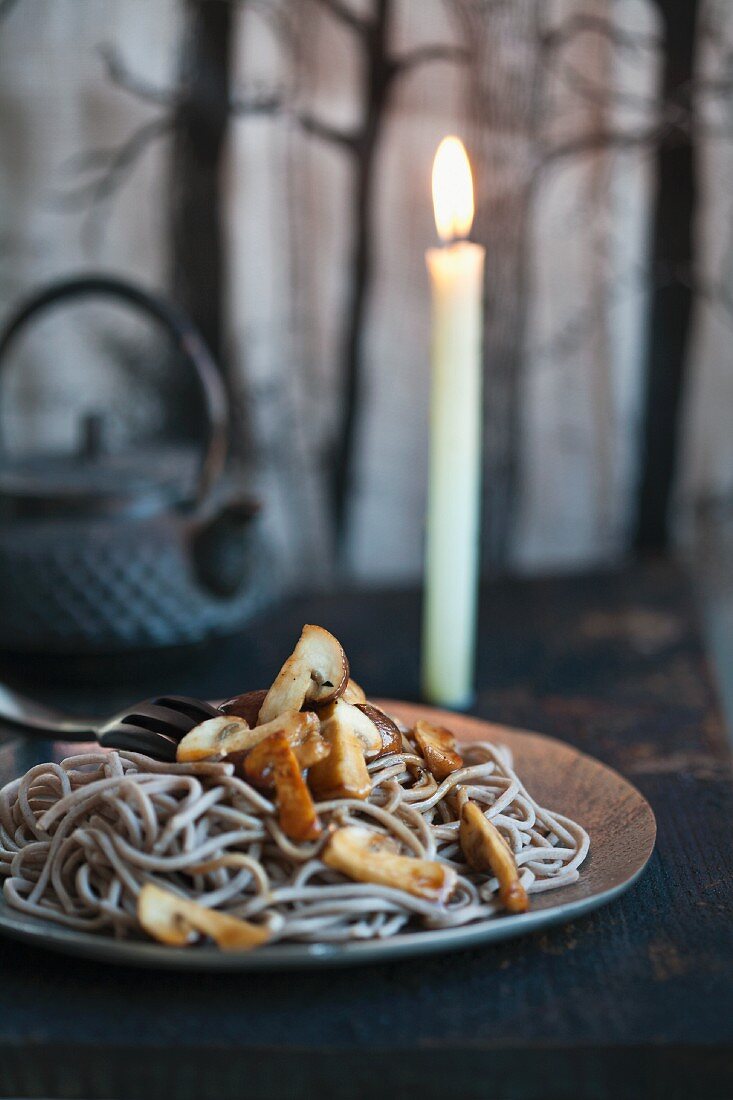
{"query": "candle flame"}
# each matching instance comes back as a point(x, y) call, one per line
point(452, 190)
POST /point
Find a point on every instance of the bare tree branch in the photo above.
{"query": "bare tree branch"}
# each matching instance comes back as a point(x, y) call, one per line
point(425, 54)
point(279, 17)
point(570, 338)
point(713, 293)
point(347, 139)
point(256, 103)
point(596, 24)
point(597, 93)
point(121, 76)
point(115, 165)
point(720, 87)
point(85, 160)
point(341, 11)
point(601, 141)
point(676, 114)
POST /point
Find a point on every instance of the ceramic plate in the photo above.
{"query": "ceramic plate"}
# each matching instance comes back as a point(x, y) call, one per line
point(620, 822)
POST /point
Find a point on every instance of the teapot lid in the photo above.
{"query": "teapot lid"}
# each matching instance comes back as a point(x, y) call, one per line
point(92, 482)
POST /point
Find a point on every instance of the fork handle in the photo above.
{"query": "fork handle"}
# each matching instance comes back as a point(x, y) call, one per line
point(30, 717)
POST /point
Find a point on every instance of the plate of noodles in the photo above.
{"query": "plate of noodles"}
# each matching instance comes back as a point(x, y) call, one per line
point(307, 825)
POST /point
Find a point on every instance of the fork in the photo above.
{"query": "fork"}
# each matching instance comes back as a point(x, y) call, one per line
point(153, 727)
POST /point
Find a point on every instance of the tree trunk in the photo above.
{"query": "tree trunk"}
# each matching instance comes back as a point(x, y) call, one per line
point(505, 106)
point(671, 263)
point(376, 80)
point(197, 249)
point(352, 352)
point(506, 234)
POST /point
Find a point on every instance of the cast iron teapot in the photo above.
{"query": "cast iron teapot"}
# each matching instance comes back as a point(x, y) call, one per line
point(103, 553)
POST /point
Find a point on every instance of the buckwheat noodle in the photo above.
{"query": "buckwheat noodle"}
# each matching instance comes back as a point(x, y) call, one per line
point(79, 839)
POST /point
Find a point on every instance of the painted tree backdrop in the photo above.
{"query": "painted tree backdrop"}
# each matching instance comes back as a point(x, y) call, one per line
point(268, 163)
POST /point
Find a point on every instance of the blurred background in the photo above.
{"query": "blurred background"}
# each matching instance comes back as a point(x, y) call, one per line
point(266, 165)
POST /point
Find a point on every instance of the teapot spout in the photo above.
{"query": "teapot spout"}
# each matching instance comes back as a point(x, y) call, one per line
point(221, 547)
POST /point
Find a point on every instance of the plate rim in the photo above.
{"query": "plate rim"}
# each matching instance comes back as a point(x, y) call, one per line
point(301, 956)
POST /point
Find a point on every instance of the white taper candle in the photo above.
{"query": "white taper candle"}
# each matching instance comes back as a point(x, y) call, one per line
point(452, 531)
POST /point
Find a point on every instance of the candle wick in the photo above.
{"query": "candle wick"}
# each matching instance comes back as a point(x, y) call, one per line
point(455, 240)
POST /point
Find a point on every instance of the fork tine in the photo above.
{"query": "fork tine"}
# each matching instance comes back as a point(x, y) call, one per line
point(196, 709)
point(155, 726)
point(157, 719)
point(137, 739)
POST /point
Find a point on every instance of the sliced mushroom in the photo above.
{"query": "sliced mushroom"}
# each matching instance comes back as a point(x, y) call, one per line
point(388, 731)
point(311, 748)
point(227, 735)
point(437, 744)
point(365, 856)
point(245, 706)
point(177, 921)
point(215, 737)
point(302, 731)
point(376, 732)
point(486, 850)
point(353, 693)
point(316, 672)
point(343, 773)
point(274, 763)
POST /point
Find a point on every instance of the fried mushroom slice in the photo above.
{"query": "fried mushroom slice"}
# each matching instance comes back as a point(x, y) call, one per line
point(343, 773)
point(228, 736)
point(366, 856)
point(302, 730)
point(317, 672)
point(214, 738)
point(486, 850)
point(377, 734)
point(437, 744)
point(310, 747)
point(354, 693)
point(388, 730)
point(176, 921)
point(273, 763)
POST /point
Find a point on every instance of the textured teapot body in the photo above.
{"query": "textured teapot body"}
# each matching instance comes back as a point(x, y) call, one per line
point(117, 584)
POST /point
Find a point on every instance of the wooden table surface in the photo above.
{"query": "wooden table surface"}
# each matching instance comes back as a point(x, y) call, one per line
point(633, 1000)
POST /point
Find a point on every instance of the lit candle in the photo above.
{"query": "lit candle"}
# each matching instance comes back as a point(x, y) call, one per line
point(452, 537)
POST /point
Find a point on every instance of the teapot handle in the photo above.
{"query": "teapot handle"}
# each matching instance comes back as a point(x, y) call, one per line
point(182, 332)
